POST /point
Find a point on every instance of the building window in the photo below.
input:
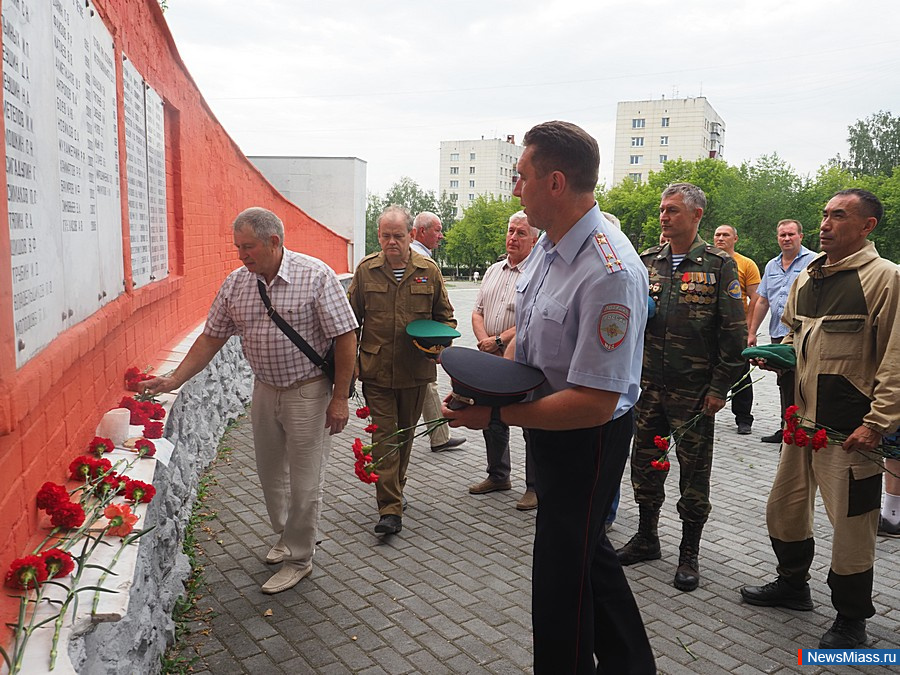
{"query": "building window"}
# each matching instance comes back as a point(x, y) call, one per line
point(471, 156)
point(453, 196)
point(471, 197)
point(663, 159)
point(454, 169)
point(454, 183)
point(471, 169)
point(637, 123)
point(665, 121)
point(454, 156)
point(636, 177)
point(636, 159)
point(663, 140)
point(637, 141)
point(471, 183)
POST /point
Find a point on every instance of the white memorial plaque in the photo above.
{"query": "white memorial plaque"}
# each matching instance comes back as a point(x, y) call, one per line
point(136, 172)
point(156, 185)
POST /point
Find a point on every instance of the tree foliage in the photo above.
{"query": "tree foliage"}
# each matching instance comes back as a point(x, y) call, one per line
point(479, 238)
point(874, 146)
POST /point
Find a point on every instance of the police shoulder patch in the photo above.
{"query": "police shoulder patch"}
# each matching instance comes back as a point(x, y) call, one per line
point(734, 289)
point(613, 325)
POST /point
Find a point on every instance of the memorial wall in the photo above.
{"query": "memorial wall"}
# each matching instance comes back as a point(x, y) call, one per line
point(115, 231)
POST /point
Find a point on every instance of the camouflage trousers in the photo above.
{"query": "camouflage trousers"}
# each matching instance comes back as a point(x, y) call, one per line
point(658, 413)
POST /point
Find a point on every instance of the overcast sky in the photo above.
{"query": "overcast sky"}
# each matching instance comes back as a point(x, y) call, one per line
point(388, 81)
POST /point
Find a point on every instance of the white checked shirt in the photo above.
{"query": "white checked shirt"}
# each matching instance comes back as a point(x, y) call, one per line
point(496, 300)
point(306, 293)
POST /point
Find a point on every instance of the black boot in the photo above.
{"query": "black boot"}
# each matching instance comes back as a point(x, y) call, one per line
point(645, 544)
point(845, 634)
point(687, 576)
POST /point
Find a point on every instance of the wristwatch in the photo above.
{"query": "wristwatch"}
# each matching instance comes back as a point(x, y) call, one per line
point(499, 342)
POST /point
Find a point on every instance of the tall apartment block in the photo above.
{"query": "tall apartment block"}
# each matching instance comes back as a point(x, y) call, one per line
point(482, 167)
point(648, 133)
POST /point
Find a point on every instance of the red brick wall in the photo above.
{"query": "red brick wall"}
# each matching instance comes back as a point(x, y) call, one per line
point(50, 407)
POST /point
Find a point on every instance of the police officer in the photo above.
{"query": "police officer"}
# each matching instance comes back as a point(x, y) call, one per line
point(389, 290)
point(692, 357)
point(580, 310)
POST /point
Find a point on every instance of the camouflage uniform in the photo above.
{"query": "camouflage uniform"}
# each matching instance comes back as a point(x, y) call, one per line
point(692, 348)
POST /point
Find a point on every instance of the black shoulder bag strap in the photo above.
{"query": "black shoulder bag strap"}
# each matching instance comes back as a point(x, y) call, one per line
point(289, 331)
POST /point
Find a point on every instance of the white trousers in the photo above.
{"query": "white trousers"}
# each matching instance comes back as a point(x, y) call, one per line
point(292, 446)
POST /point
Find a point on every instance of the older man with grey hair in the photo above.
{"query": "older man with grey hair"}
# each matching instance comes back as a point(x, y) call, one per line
point(294, 407)
point(494, 325)
point(427, 235)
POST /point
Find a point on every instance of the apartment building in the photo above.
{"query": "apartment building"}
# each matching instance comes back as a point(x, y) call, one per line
point(478, 167)
point(649, 133)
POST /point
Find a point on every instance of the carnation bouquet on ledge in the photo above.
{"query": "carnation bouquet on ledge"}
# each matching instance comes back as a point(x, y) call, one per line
point(666, 443)
point(365, 465)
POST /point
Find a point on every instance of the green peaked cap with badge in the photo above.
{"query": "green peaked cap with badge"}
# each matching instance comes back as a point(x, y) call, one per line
point(479, 378)
point(777, 355)
point(431, 336)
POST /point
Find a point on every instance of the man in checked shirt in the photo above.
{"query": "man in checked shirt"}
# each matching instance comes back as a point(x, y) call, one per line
point(294, 407)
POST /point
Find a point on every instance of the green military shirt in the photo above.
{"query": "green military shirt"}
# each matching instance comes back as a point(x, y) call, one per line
point(383, 307)
point(693, 344)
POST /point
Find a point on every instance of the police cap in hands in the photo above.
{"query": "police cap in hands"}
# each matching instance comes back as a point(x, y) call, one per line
point(479, 378)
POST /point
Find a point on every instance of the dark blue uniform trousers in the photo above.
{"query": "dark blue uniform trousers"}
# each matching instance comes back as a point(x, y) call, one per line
point(582, 605)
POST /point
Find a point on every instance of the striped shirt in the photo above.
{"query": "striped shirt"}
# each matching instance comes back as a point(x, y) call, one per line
point(496, 300)
point(306, 293)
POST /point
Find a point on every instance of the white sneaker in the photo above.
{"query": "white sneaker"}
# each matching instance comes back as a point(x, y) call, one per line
point(285, 578)
point(276, 553)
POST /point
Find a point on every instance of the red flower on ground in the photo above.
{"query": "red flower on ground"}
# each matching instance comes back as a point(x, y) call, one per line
point(144, 448)
point(139, 491)
point(121, 519)
point(51, 495)
point(661, 443)
point(101, 445)
point(801, 438)
point(26, 572)
point(371, 429)
point(362, 413)
point(58, 563)
point(819, 439)
point(153, 430)
point(68, 516)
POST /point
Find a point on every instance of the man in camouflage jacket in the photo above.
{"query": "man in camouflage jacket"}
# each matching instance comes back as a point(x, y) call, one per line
point(692, 357)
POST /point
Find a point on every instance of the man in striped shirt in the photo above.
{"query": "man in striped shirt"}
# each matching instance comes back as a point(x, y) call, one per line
point(494, 325)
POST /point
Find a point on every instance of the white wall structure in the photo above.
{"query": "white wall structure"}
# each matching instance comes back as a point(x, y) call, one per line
point(478, 167)
point(649, 133)
point(330, 189)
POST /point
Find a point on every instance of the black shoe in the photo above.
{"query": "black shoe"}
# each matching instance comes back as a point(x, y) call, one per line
point(687, 576)
point(777, 437)
point(779, 593)
point(454, 442)
point(389, 524)
point(744, 428)
point(844, 634)
point(887, 529)
point(638, 549)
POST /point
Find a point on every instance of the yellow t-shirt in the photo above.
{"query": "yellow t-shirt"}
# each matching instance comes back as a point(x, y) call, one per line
point(748, 275)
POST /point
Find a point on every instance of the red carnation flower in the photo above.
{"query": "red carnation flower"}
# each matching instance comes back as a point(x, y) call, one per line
point(121, 519)
point(362, 413)
point(27, 572)
point(661, 443)
point(660, 465)
point(58, 563)
point(127, 402)
point(139, 491)
point(153, 430)
point(791, 412)
point(67, 516)
point(666, 465)
point(788, 436)
point(111, 483)
point(81, 467)
point(157, 411)
point(144, 448)
point(801, 438)
point(371, 429)
point(50, 495)
point(133, 377)
point(100, 445)
point(819, 439)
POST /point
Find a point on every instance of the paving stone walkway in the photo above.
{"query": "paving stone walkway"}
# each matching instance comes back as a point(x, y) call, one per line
point(451, 593)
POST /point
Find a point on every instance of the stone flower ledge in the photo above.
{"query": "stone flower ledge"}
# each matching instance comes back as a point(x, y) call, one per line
point(132, 628)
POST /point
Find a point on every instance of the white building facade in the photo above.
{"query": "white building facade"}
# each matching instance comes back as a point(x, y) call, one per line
point(330, 189)
point(478, 167)
point(649, 133)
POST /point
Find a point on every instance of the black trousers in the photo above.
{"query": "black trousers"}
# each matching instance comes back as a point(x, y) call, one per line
point(582, 605)
point(742, 401)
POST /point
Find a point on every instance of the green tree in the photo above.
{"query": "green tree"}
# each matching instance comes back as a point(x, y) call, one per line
point(374, 206)
point(874, 145)
point(479, 238)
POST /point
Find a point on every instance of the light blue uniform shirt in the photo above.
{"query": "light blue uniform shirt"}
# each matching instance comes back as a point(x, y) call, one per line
point(581, 310)
point(775, 286)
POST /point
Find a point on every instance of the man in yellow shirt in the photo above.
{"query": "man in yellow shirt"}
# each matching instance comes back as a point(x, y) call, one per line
point(725, 238)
